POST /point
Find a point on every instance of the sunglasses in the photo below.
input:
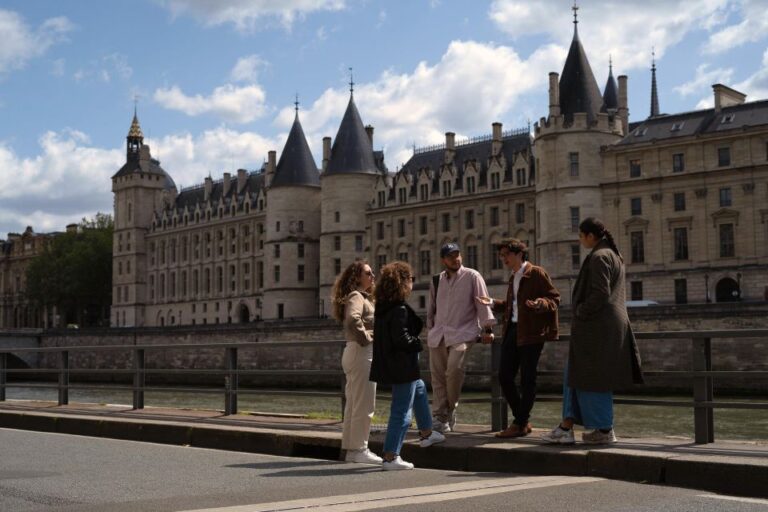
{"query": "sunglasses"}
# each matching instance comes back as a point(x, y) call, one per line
point(369, 273)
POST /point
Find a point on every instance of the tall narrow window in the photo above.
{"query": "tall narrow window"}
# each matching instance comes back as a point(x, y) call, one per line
point(424, 263)
point(277, 273)
point(402, 195)
point(636, 206)
point(727, 245)
point(725, 197)
point(469, 219)
point(447, 189)
point(472, 256)
point(424, 191)
point(423, 225)
point(575, 218)
point(380, 230)
point(470, 185)
point(494, 216)
point(681, 291)
point(637, 244)
point(679, 199)
point(635, 169)
point(636, 288)
point(723, 157)
point(337, 243)
point(573, 159)
point(495, 181)
point(681, 243)
point(520, 213)
point(300, 273)
point(401, 227)
point(402, 256)
point(359, 243)
point(575, 256)
point(300, 250)
point(678, 162)
point(446, 221)
point(337, 266)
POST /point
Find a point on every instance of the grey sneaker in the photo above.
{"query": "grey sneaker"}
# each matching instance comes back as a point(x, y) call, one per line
point(559, 436)
point(439, 426)
point(433, 438)
point(597, 437)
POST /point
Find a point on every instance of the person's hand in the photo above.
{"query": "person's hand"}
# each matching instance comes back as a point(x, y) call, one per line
point(485, 301)
point(536, 304)
point(487, 338)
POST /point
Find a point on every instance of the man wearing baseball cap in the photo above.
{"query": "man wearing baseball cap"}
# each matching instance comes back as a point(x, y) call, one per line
point(454, 320)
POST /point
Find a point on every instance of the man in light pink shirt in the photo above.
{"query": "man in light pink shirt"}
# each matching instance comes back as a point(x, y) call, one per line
point(454, 321)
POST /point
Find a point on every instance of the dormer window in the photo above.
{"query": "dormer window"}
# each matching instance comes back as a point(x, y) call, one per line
point(639, 132)
point(676, 127)
point(727, 118)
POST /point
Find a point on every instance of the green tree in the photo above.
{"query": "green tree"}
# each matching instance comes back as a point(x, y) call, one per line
point(74, 272)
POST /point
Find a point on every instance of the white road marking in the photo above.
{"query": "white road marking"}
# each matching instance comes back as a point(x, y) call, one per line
point(734, 498)
point(409, 496)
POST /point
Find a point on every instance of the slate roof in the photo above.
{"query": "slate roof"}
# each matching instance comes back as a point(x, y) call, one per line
point(578, 88)
point(352, 152)
point(190, 197)
point(479, 152)
point(151, 166)
point(699, 122)
point(610, 93)
point(296, 166)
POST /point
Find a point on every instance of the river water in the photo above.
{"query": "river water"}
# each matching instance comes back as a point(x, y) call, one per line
point(633, 421)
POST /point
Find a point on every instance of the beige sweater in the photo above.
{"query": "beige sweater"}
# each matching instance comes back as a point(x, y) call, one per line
point(358, 319)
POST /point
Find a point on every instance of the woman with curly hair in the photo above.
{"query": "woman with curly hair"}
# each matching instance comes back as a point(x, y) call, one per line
point(396, 350)
point(352, 307)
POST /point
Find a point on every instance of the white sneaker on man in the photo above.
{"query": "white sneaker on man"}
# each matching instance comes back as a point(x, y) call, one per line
point(439, 426)
point(364, 456)
point(396, 464)
point(598, 437)
point(452, 421)
point(433, 438)
point(559, 435)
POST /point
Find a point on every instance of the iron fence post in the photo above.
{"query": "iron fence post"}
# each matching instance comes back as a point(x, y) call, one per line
point(498, 404)
point(138, 378)
point(703, 415)
point(230, 382)
point(3, 368)
point(64, 377)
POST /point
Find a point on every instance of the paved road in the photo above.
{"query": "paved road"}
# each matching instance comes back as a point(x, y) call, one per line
point(55, 472)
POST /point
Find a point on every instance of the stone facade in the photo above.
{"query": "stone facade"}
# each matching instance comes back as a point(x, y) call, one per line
point(685, 196)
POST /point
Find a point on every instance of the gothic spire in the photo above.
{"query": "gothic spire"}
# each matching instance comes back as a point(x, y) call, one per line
point(654, 91)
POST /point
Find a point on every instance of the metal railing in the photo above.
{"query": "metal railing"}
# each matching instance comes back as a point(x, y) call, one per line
point(701, 375)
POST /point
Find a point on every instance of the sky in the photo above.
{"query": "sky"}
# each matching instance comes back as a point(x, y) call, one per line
point(214, 81)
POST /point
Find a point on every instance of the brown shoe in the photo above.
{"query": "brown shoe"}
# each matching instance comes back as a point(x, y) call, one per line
point(514, 431)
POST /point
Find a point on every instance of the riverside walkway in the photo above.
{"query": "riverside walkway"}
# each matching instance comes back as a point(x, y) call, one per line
point(730, 467)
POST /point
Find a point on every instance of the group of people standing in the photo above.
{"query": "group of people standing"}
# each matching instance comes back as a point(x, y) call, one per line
point(383, 344)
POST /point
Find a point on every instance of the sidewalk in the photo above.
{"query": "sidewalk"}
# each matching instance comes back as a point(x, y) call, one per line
point(730, 467)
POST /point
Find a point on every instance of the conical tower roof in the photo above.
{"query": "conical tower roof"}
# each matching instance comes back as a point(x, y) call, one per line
point(296, 166)
point(611, 92)
point(654, 91)
point(352, 152)
point(578, 88)
point(135, 130)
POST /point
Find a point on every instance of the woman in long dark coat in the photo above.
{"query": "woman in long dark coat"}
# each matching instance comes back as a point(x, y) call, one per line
point(603, 355)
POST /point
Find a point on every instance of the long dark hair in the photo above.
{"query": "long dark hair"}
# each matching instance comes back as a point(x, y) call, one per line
point(595, 227)
point(345, 284)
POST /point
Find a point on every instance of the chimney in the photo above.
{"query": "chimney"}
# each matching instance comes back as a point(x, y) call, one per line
point(242, 178)
point(727, 97)
point(326, 152)
point(369, 131)
point(227, 180)
point(208, 188)
point(496, 144)
point(271, 157)
point(623, 110)
point(71, 228)
point(554, 94)
point(450, 146)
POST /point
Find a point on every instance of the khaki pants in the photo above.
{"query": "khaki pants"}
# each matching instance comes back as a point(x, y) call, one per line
point(360, 394)
point(446, 365)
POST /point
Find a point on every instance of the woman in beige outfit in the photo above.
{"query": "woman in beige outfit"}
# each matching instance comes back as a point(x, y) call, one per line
point(352, 307)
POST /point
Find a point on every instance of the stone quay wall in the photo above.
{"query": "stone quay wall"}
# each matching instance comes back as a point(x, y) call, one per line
point(741, 354)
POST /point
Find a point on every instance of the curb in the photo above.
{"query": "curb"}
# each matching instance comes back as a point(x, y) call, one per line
point(727, 475)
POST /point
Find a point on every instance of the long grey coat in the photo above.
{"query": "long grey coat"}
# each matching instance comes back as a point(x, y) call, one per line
point(603, 353)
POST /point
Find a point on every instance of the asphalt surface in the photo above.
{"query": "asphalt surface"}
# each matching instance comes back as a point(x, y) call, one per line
point(55, 472)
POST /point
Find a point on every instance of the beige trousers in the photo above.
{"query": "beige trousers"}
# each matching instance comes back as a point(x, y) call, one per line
point(360, 393)
point(446, 365)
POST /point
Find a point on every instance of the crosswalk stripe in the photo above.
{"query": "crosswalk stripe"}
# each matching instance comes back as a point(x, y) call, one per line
point(409, 496)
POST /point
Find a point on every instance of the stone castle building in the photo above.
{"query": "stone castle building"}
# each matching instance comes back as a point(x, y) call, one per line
point(686, 196)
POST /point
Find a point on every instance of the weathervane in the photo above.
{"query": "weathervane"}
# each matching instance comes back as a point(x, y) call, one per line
point(351, 82)
point(575, 12)
point(296, 104)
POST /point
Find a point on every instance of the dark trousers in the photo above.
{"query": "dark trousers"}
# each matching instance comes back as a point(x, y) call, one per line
point(524, 358)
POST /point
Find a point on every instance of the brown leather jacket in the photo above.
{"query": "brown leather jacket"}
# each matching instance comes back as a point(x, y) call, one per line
point(533, 326)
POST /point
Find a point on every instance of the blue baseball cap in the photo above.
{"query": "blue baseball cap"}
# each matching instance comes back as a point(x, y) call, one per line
point(448, 248)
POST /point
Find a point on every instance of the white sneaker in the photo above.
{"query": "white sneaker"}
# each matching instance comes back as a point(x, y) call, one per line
point(452, 421)
point(439, 426)
point(434, 438)
point(396, 464)
point(597, 437)
point(559, 436)
point(364, 456)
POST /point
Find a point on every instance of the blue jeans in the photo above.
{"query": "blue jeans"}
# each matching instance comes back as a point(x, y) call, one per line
point(589, 408)
point(411, 396)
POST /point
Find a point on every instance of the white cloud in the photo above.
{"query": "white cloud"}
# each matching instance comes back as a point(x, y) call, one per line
point(70, 179)
point(751, 27)
point(247, 68)
point(249, 15)
point(105, 69)
point(756, 86)
point(235, 104)
point(626, 30)
point(471, 86)
point(704, 79)
point(21, 43)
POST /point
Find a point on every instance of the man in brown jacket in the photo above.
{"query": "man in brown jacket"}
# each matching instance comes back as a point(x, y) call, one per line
point(530, 319)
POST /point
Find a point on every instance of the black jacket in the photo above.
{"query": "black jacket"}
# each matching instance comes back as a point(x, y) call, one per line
point(396, 344)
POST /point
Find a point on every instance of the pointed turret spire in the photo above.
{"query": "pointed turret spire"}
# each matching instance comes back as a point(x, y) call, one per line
point(654, 92)
point(352, 151)
point(296, 166)
point(611, 91)
point(578, 88)
point(135, 138)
